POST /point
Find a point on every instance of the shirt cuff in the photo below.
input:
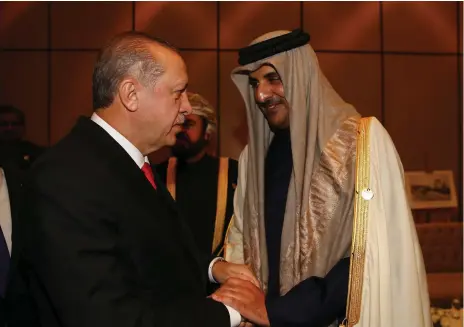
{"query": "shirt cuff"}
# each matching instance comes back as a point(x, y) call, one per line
point(210, 269)
point(235, 317)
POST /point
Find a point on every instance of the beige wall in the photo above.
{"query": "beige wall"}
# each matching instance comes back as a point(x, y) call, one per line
point(399, 61)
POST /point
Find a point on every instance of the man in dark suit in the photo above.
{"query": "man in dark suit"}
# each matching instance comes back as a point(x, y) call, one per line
point(15, 151)
point(16, 307)
point(104, 238)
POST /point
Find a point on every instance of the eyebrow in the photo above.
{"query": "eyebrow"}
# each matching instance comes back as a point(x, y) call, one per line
point(267, 75)
point(183, 89)
point(272, 74)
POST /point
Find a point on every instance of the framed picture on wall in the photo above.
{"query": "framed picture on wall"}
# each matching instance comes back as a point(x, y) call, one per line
point(429, 190)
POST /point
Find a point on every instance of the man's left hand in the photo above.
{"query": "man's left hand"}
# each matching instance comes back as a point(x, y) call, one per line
point(244, 297)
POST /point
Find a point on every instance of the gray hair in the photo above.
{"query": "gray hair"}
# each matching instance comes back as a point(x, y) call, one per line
point(125, 55)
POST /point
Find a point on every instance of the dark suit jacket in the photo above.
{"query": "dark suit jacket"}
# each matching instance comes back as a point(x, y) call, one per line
point(17, 308)
point(197, 198)
point(104, 246)
point(20, 155)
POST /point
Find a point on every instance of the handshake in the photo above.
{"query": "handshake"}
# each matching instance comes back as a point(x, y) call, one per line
point(240, 290)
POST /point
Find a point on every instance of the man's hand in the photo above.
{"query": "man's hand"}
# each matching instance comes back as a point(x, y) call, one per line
point(223, 270)
point(244, 297)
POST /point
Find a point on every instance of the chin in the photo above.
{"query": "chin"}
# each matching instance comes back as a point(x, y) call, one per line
point(171, 141)
point(274, 125)
point(277, 121)
point(171, 137)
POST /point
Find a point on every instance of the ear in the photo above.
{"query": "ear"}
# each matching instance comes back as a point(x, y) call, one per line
point(128, 94)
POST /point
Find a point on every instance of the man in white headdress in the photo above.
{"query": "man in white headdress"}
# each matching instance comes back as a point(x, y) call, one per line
point(320, 208)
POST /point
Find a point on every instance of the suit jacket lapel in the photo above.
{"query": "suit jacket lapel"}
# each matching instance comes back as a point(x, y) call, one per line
point(164, 193)
point(185, 231)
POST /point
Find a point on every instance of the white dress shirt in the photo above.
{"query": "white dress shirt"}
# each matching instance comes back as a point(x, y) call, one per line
point(131, 150)
point(5, 211)
point(140, 159)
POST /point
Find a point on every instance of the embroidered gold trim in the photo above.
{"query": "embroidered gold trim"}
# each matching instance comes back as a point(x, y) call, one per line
point(317, 225)
point(226, 238)
point(221, 202)
point(361, 207)
point(171, 176)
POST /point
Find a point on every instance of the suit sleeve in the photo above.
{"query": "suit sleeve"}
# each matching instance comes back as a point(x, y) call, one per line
point(315, 302)
point(75, 251)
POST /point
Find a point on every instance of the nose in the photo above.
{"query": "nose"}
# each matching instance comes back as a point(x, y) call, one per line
point(263, 92)
point(185, 107)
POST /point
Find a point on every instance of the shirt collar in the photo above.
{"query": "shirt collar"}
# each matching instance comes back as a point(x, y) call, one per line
point(133, 152)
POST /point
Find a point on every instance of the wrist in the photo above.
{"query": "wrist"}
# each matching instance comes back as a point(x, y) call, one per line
point(217, 270)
